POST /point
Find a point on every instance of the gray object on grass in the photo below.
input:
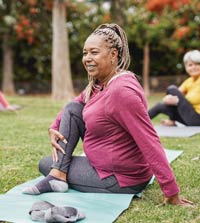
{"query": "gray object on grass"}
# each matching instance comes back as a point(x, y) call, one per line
point(174, 131)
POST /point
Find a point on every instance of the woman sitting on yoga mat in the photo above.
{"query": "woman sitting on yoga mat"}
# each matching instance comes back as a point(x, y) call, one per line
point(182, 103)
point(122, 148)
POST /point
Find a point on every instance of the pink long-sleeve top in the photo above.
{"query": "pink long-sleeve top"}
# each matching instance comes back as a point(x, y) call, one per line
point(120, 139)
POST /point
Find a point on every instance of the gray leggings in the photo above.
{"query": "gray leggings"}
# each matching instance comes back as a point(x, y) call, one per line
point(81, 175)
point(183, 112)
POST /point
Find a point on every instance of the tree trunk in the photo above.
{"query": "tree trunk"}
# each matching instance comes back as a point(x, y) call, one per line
point(117, 11)
point(7, 83)
point(62, 87)
point(146, 59)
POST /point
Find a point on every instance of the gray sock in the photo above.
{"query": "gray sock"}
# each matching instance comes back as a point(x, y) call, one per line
point(48, 184)
point(46, 212)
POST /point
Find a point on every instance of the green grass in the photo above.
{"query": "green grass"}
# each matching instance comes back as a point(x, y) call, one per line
point(24, 141)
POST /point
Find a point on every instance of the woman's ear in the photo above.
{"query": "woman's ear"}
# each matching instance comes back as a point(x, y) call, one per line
point(114, 53)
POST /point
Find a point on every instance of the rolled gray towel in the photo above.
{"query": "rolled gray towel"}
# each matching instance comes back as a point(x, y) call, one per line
point(63, 214)
point(38, 210)
point(46, 212)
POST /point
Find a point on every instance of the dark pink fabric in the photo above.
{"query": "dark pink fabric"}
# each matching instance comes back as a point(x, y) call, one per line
point(120, 138)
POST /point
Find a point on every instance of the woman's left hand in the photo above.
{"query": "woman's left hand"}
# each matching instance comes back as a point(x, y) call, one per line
point(176, 200)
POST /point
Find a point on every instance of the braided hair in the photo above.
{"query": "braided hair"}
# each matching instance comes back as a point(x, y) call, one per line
point(116, 38)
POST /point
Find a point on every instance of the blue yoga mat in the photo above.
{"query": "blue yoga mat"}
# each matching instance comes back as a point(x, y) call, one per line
point(98, 207)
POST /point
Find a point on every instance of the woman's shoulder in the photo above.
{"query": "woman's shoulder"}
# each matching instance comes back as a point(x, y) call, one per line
point(121, 76)
point(123, 80)
point(124, 85)
point(191, 81)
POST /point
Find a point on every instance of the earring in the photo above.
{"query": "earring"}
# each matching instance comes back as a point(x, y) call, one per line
point(112, 61)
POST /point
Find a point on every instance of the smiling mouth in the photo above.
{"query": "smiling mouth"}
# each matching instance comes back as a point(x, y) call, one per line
point(195, 72)
point(90, 67)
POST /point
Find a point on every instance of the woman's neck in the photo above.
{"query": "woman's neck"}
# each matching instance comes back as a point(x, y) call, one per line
point(107, 79)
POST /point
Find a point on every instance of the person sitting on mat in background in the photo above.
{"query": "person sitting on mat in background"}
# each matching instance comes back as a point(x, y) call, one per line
point(5, 106)
point(182, 104)
point(122, 149)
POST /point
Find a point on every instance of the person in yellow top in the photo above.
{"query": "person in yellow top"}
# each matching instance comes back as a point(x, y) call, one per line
point(182, 104)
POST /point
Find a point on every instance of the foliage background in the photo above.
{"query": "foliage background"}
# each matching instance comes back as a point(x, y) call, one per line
point(170, 30)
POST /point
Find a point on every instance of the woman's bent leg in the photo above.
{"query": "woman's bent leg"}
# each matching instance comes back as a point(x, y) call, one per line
point(72, 128)
point(162, 108)
point(183, 112)
point(186, 113)
point(83, 177)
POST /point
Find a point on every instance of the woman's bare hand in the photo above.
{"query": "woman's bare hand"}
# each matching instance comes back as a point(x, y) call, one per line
point(176, 200)
point(54, 137)
point(170, 100)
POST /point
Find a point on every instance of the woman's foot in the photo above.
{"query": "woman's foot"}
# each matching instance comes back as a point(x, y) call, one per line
point(48, 184)
point(168, 122)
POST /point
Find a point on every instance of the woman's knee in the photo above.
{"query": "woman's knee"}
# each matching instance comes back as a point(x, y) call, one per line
point(75, 108)
point(172, 89)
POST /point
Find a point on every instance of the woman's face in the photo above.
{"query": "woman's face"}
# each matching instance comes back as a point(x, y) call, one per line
point(193, 69)
point(97, 57)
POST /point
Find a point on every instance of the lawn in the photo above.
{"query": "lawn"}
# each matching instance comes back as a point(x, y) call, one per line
point(24, 141)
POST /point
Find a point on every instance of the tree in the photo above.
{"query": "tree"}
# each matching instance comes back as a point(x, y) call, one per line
point(117, 11)
point(8, 83)
point(23, 28)
point(187, 29)
point(61, 73)
point(6, 31)
point(23, 43)
point(153, 22)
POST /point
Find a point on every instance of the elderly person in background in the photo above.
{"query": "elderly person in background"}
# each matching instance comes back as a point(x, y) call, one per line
point(122, 149)
point(182, 104)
